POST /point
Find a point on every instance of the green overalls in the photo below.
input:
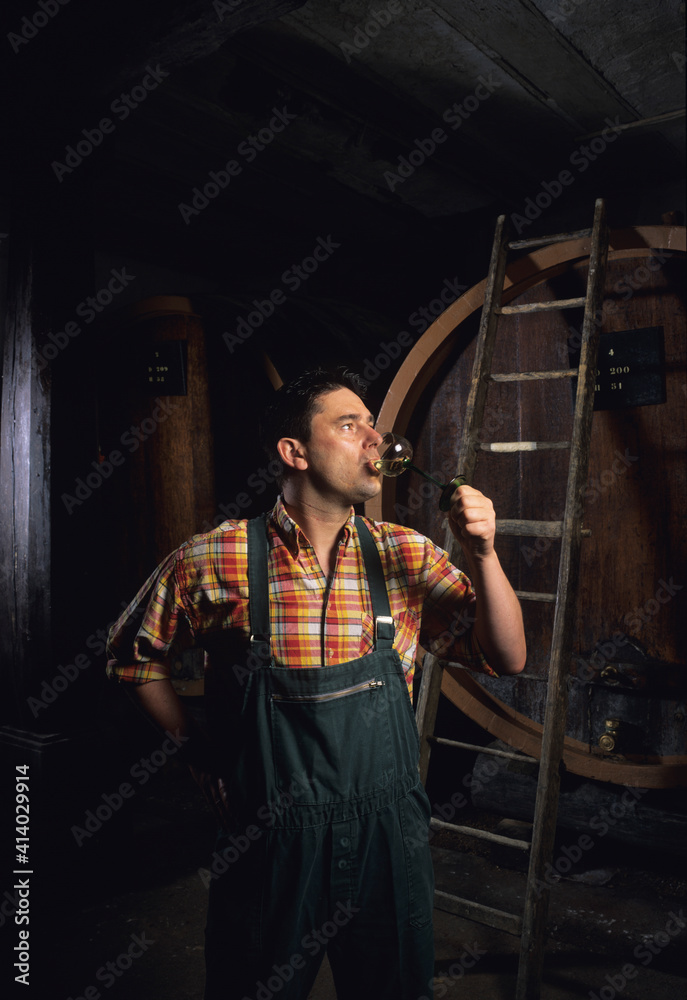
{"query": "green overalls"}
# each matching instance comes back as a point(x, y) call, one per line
point(329, 850)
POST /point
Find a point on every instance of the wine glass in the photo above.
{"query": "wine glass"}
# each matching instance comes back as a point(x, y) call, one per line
point(396, 457)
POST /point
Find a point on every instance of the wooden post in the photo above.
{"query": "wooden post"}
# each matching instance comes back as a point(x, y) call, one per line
point(24, 486)
point(50, 270)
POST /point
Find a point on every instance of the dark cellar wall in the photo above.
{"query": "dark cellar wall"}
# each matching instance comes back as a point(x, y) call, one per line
point(384, 268)
point(115, 217)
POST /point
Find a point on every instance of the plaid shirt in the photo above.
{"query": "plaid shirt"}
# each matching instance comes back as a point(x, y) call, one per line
point(200, 591)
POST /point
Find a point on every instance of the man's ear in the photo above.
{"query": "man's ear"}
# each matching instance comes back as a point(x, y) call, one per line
point(292, 453)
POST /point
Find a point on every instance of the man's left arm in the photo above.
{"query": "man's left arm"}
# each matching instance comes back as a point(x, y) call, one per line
point(498, 623)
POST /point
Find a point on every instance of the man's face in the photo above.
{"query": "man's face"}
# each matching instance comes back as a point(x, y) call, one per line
point(342, 447)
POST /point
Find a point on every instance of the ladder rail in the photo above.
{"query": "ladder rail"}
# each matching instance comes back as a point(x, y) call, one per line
point(532, 925)
point(426, 710)
point(486, 338)
point(548, 787)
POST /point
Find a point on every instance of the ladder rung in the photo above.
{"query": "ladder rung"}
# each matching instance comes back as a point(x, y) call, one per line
point(491, 751)
point(510, 446)
point(536, 307)
point(524, 676)
point(531, 376)
point(471, 831)
point(535, 595)
point(544, 529)
point(541, 241)
point(479, 912)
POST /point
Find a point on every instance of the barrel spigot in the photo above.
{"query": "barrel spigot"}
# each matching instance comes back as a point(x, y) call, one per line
point(608, 739)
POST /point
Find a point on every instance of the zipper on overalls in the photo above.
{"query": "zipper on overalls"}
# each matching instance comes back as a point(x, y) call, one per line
point(330, 695)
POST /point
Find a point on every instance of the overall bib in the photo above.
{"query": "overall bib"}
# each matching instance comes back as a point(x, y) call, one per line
point(329, 848)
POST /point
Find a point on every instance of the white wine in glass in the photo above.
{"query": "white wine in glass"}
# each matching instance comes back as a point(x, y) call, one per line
point(396, 457)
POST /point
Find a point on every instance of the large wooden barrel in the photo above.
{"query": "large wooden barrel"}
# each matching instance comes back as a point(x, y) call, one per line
point(155, 451)
point(629, 662)
point(133, 477)
point(154, 422)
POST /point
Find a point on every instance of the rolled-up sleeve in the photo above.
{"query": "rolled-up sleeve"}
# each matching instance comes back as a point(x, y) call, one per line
point(449, 614)
point(142, 638)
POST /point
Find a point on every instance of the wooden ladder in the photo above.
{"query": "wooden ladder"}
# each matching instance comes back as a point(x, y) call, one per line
point(531, 925)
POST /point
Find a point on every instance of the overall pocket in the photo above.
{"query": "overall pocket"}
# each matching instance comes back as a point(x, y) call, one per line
point(332, 744)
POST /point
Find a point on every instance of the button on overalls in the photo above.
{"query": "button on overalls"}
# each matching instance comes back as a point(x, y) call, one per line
point(329, 848)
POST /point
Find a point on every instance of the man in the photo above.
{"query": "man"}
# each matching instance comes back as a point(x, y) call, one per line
point(310, 621)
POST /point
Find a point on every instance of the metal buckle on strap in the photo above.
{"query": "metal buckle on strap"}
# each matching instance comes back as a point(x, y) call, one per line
point(263, 644)
point(384, 627)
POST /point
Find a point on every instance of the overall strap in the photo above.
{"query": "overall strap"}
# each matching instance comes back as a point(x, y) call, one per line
point(258, 592)
point(381, 612)
point(258, 589)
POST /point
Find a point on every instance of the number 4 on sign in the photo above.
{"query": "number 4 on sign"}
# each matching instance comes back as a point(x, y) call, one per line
point(611, 352)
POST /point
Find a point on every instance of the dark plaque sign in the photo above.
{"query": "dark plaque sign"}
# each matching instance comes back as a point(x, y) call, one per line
point(630, 369)
point(165, 368)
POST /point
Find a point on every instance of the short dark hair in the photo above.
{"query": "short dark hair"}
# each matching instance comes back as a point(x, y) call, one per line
point(291, 411)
